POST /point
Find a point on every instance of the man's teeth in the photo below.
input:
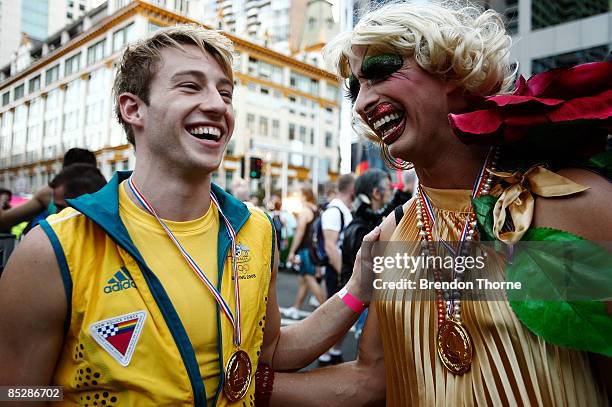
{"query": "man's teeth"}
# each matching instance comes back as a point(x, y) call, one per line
point(197, 131)
point(385, 119)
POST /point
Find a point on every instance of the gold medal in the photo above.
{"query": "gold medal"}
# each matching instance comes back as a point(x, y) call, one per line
point(237, 376)
point(454, 346)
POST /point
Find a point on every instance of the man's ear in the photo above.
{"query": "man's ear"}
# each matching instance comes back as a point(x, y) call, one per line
point(131, 107)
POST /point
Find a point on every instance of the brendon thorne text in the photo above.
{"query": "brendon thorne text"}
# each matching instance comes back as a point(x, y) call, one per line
point(425, 284)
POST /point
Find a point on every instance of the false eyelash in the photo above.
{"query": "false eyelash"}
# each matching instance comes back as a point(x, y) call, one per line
point(348, 94)
point(350, 89)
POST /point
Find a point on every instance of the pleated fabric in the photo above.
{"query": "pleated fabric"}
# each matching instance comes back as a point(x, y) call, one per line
point(511, 366)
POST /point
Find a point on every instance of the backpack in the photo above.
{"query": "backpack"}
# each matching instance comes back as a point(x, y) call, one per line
point(317, 249)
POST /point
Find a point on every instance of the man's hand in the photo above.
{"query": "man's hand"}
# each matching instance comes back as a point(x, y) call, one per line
point(360, 283)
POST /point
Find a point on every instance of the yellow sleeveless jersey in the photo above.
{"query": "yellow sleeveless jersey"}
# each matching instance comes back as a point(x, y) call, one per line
point(142, 329)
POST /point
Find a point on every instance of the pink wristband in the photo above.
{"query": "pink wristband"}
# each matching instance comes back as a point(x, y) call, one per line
point(351, 301)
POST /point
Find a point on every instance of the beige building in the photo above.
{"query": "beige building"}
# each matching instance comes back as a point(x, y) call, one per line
point(287, 111)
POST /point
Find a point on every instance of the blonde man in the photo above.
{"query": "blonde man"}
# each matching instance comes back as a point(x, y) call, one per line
point(160, 288)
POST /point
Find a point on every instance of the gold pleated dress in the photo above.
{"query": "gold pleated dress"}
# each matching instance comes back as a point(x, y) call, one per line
point(511, 366)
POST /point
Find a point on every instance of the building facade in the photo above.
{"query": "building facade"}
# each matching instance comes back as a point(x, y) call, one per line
point(36, 20)
point(549, 34)
point(287, 111)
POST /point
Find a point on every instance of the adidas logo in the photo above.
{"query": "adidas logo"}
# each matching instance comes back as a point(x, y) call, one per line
point(120, 281)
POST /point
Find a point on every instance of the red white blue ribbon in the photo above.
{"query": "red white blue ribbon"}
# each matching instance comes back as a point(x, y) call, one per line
point(194, 266)
point(475, 188)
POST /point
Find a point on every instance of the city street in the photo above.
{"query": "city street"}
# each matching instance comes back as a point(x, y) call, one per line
point(286, 286)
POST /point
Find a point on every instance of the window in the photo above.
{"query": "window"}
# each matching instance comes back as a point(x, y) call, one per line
point(96, 52)
point(582, 56)
point(264, 70)
point(82, 7)
point(19, 90)
point(291, 131)
point(275, 128)
point(263, 126)
point(231, 148)
point(93, 113)
point(547, 13)
point(302, 134)
point(52, 75)
point(69, 16)
point(229, 177)
point(303, 83)
point(331, 91)
point(314, 86)
point(311, 136)
point(264, 91)
point(251, 123)
point(122, 37)
point(181, 6)
point(72, 65)
point(328, 139)
point(6, 98)
point(34, 84)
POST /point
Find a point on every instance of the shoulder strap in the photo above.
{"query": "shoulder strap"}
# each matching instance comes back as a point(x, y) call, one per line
point(341, 218)
point(399, 214)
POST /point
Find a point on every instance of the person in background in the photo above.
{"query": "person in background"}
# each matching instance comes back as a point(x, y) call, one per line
point(5, 198)
point(373, 192)
point(335, 218)
point(274, 207)
point(400, 195)
point(5, 203)
point(330, 189)
point(74, 181)
point(42, 204)
point(299, 253)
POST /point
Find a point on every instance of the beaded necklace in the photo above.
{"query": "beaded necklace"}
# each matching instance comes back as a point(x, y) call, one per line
point(454, 344)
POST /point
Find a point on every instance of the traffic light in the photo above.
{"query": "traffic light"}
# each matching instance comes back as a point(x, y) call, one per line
point(255, 167)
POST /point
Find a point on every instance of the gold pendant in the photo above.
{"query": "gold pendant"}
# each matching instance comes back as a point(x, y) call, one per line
point(454, 347)
point(237, 376)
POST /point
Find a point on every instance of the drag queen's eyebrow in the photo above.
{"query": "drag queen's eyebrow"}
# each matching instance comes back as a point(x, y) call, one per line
point(374, 67)
point(380, 66)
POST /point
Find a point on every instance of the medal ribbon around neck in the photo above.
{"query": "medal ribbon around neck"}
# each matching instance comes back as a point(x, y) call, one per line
point(194, 266)
point(466, 227)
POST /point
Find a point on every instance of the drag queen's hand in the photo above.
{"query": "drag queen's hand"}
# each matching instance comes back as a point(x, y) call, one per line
point(360, 283)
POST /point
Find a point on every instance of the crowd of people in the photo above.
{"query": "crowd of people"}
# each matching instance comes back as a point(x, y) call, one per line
point(160, 287)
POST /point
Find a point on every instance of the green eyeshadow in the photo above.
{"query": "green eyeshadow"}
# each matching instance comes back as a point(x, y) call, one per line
point(380, 66)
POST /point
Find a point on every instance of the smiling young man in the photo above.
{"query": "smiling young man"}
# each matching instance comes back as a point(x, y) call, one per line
point(160, 288)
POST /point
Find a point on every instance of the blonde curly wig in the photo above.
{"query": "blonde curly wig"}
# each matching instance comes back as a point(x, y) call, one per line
point(455, 41)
